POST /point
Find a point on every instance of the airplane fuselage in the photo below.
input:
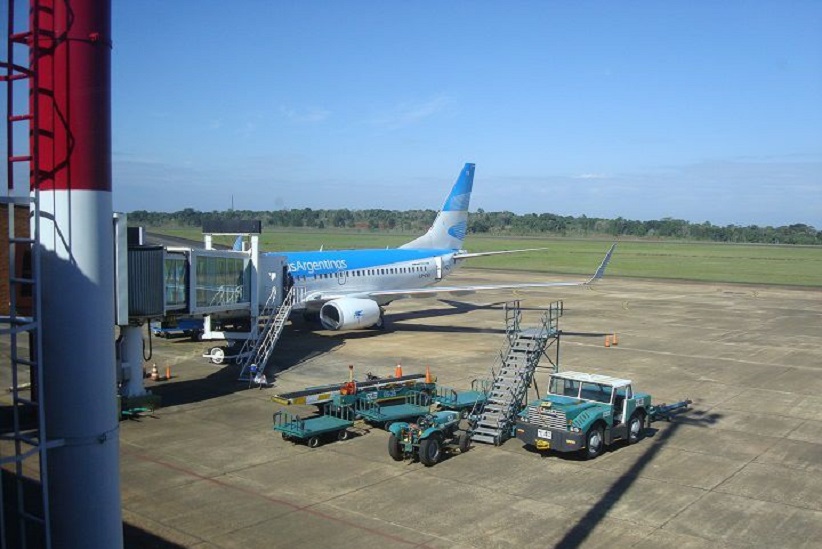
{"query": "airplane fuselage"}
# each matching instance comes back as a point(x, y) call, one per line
point(321, 275)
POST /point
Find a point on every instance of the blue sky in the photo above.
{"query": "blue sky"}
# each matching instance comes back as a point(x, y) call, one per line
point(706, 111)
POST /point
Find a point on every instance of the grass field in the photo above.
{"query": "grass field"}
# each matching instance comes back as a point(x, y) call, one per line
point(752, 264)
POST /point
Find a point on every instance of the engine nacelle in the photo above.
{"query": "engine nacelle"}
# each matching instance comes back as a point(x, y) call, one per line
point(349, 314)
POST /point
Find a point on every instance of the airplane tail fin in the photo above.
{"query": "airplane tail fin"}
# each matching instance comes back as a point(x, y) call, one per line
point(451, 224)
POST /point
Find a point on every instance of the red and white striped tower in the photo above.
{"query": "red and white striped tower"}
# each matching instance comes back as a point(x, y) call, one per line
point(73, 145)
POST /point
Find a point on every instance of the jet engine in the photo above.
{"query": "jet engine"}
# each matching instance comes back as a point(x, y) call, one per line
point(349, 313)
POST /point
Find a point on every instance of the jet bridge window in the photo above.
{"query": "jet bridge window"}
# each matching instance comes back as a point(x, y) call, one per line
point(221, 281)
point(175, 278)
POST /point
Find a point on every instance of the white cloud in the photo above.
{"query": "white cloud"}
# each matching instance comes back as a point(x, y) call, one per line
point(591, 176)
point(406, 114)
point(311, 115)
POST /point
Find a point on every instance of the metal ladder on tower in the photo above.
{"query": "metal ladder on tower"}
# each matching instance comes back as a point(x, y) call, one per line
point(257, 349)
point(514, 373)
point(26, 421)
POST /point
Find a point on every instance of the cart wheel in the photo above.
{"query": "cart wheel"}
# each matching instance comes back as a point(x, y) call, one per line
point(217, 355)
point(394, 448)
point(313, 442)
point(343, 435)
point(285, 436)
point(463, 442)
point(430, 451)
point(387, 425)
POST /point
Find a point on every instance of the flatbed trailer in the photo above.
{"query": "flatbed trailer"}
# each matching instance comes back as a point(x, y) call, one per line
point(314, 429)
point(374, 388)
point(463, 401)
point(413, 406)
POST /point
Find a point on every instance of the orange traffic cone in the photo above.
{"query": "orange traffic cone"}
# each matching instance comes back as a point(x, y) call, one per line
point(608, 341)
point(428, 374)
point(614, 340)
point(168, 372)
point(398, 370)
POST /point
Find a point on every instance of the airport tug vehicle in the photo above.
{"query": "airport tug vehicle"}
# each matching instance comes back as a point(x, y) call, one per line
point(427, 438)
point(587, 412)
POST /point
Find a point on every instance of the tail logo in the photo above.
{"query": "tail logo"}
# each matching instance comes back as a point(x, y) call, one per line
point(457, 203)
point(458, 231)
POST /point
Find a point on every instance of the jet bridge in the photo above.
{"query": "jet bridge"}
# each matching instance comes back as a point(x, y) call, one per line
point(224, 288)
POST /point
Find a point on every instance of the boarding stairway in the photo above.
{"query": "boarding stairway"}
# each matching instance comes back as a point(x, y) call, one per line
point(514, 373)
point(257, 349)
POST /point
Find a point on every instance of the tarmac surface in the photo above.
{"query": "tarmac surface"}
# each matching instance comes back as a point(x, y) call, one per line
point(742, 468)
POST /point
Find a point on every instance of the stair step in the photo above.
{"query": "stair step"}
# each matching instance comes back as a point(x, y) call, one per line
point(486, 430)
point(488, 439)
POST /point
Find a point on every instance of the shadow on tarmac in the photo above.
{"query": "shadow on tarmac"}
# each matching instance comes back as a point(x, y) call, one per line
point(579, 533)
point(135, 537)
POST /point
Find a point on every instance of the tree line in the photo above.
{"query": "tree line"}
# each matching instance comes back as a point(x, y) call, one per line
point(493, 223)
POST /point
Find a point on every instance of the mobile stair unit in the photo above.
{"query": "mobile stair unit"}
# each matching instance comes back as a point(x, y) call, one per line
point(257, 349)
point(514, 371)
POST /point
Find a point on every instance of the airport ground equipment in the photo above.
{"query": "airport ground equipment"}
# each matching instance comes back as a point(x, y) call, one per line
point(464, 402)
point(265, 333)
point(133, 407)
point(312, 431)
point(189, 327)
point(413, 405)
point(427, 438)
point(514, 373)
point(379, 389)
point(586, 412)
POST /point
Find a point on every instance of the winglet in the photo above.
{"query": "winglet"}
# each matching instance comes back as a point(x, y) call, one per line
point(604, 265)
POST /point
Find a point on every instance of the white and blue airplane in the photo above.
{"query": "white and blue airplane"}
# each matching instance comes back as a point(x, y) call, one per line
point(349, 289)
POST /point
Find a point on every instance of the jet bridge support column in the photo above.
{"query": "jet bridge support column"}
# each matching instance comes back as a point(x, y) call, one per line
point(131, 361)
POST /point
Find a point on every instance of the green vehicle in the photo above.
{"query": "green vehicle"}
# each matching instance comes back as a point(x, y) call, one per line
point(586, 412)
point(427, 438)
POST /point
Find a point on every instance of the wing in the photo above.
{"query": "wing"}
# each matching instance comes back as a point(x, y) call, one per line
point(466, 255)
point(466, 290)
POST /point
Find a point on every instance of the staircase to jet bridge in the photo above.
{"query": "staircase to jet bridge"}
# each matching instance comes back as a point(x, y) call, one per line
point(513, 373)
point(257, 349)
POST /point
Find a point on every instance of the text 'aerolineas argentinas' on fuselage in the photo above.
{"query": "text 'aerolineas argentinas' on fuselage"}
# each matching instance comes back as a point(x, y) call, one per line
point(311, 266)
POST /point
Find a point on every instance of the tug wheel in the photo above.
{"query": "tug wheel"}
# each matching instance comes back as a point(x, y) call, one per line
point(463, 442)
point(636, 427)
point(430, 451)
point(394, 449)
point(594, 442)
